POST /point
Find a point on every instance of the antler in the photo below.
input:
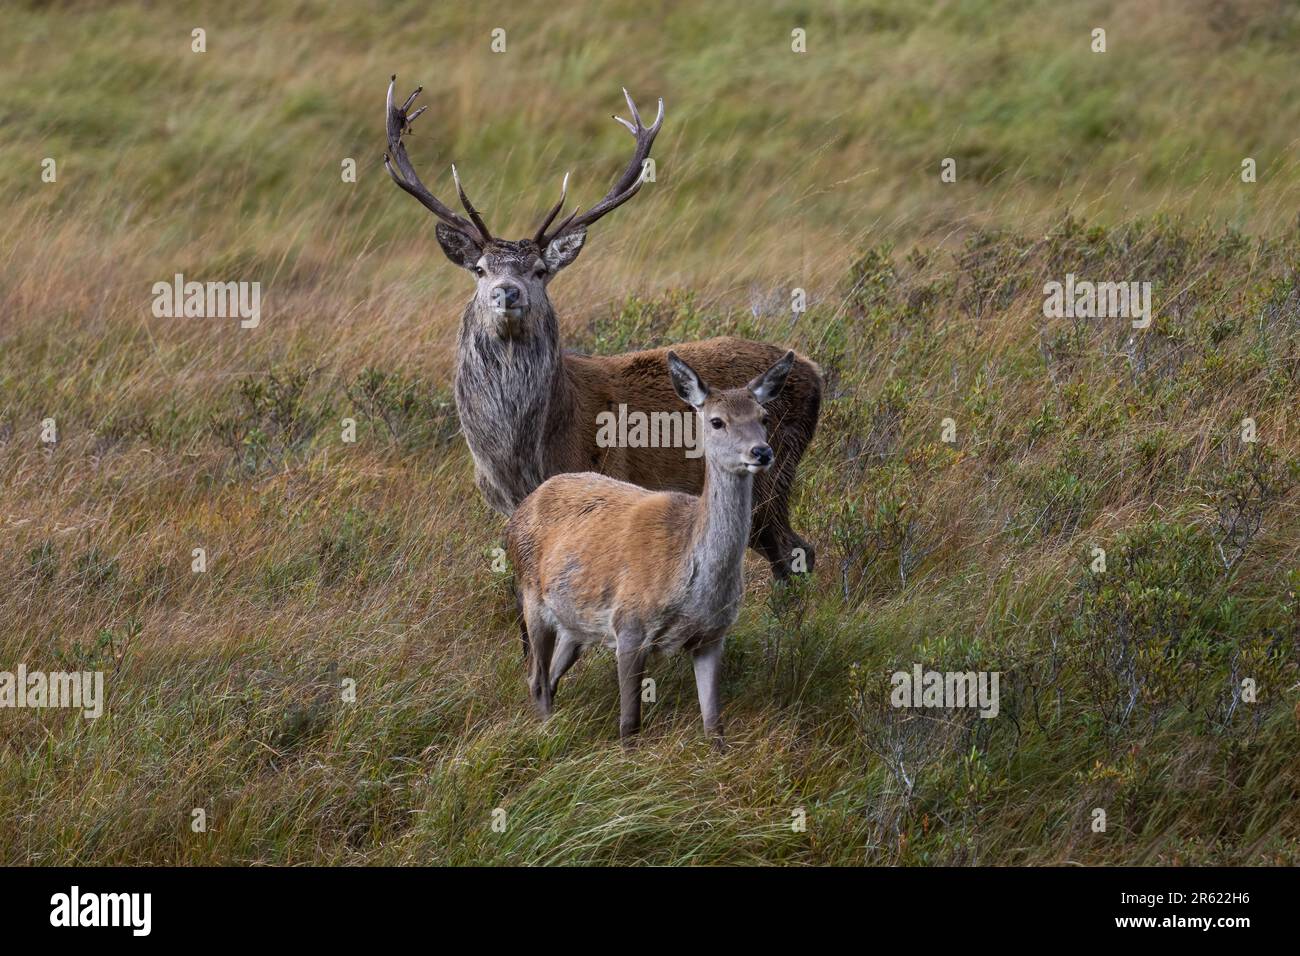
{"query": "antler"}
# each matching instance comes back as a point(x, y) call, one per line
point(399, 123)
point(624, 189)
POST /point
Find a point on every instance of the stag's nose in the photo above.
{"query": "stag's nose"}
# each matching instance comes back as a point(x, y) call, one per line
point(507, 296)
point(762, 454)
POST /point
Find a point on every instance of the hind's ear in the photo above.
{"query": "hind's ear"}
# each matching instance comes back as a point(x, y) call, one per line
point(461, 248)
point(563, 249)
point(768, 385)
point(686, 383)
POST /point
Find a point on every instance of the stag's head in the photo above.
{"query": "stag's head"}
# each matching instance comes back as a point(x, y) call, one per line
point(511, 276)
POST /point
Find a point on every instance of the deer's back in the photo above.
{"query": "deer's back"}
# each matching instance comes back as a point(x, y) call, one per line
point(598, 541)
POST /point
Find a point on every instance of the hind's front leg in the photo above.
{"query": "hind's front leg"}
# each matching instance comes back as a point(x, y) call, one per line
point(708, 679)
point(630, 649)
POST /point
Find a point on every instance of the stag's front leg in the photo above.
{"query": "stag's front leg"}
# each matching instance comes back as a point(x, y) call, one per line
point(770, 532)
point(708, 678)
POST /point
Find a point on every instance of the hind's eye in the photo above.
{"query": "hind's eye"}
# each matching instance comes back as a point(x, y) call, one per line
point(480, 271)
point(717, 423)
point(765, 420)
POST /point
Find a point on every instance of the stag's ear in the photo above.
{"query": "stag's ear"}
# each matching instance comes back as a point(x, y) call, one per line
point(563, 249)
point(686, 383)
point(461, 248)
point(768, 385)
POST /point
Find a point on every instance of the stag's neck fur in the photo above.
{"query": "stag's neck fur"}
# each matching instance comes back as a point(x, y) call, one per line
point(719, 535)
point(506, 391)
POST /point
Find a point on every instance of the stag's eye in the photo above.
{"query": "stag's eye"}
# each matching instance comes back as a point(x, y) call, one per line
point(539, 269)
point(764, 420)
point(717, 423)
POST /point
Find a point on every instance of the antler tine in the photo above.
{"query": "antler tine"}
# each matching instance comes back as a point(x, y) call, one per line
point(564, 224)
point(631, 106)
point(540, 237)
point(469, 206)
point(628, 184)
point(397, 123)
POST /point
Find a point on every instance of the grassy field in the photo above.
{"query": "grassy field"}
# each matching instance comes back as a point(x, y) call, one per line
point(372, 561)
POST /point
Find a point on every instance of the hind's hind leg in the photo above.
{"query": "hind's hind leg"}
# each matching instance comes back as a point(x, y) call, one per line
point(523, 625)
point(541, 645)
point(566, 654)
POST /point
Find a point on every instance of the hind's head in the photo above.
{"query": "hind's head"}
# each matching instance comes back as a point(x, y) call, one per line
point(511, 276)
point(733, 422)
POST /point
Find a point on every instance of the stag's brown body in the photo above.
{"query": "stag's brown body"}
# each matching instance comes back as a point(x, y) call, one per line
point(529, 410)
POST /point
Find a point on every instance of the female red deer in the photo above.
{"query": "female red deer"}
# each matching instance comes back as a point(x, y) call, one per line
point(529, 410)
point(600, 561)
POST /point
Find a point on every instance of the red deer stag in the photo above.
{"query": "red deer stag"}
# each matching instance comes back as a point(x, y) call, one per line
point(530, 410)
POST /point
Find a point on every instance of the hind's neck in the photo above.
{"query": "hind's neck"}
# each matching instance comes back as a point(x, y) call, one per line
point(720, 534)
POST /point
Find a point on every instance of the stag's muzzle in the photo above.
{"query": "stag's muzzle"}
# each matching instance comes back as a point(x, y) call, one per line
point(508, 299)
